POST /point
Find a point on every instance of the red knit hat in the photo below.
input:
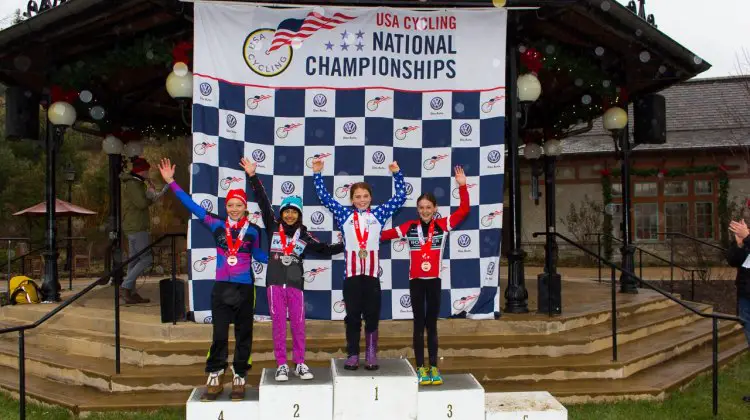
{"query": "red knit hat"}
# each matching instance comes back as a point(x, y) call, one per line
point(140, 165)
point(238, 194)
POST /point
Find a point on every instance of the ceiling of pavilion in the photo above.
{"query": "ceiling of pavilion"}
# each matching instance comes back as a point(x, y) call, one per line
point(594, 52)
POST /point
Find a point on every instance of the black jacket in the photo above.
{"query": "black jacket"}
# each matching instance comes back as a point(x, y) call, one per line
point(736, 256)
point(279, 274)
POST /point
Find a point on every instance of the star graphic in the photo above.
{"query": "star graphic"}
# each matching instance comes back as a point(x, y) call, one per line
point(360, 46)
point(344, 34)
point(329, 46)
point(360, 34)
point(344, 47)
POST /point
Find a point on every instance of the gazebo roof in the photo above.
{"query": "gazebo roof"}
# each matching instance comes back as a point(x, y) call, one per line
point(69, 36)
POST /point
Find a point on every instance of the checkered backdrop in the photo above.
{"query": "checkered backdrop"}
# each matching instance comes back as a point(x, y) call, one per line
point(280, 105)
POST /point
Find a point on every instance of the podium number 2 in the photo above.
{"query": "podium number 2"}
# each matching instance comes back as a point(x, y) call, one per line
point(376, 393)
point(296, 411)
point(221, 415)
point(450, 411)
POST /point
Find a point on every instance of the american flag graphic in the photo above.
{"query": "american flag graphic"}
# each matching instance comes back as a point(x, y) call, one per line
point(300, 29)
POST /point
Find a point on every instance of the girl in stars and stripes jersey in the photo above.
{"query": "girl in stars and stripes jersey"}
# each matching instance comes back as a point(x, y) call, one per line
point(361, 227)
point(426, 238)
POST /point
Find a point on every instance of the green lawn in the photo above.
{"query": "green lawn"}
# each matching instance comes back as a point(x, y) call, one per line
point(694, 403)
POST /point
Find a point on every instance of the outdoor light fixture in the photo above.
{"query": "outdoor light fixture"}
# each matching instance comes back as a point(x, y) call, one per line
point(552, 147)
point(133, 148)
point(532, 151)
point(529, 88)
point(61, 114)
point(615, 119)
point(180, 82)
point(112, 145)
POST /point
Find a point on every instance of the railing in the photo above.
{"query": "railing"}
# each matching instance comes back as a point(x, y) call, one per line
point(714, 317)
point(642, 251)
point(21, 329)
point(34, 251)
point(10, 257)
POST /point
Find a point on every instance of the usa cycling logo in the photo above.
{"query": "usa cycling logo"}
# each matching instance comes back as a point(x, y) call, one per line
point(257, 267)
point(208, 320)
point(207, 205)
point(231, 121)
point(283, 131)
point(487, 105)
point(465, 129)
point(254, 101)
point(437, 103)
point(402, 132)
point(456, 194)
point(373, 104)
point(405, 301)
point(228, 181)
point(321, 156)
point(494, 156)
point(259, 155)
point(350, 127)
point(287, 187)
point(409, 188)
point(378, 157)
point(205, 89)
point(464, 241)
point(318, 218)
point(320, 100)
point(429, 163)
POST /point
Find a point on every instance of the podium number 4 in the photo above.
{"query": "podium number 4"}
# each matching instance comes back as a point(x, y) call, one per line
point(221, 415)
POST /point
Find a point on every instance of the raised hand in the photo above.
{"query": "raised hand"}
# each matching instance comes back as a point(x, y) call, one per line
point(460, 176)
point(317, 165)
point(740, 230)
point(249, 166)
point(394, 167)
point(167, 170)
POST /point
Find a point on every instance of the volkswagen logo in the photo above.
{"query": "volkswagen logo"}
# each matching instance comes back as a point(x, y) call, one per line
point(350, 127)
point(259, 155)
point(378, 157)
point(464, 241)
point(320, 100)
point(494, 156)
point(208, 320)
point(231, 121)
point(465, 129)
point(318, 217)
point(437, 215)
point(380, 271)
point(405, 301)
point(207, 205)
point(490, 268)
point(287, 187)
point(257, 267)
point(409, 188)
point(436, 103)
point(205, 89)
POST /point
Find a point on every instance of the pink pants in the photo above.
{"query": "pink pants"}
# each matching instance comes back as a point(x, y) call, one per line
point(281, 299)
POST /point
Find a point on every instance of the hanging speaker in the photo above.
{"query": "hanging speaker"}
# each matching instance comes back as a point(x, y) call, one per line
point(21, 114)
point(650, 115)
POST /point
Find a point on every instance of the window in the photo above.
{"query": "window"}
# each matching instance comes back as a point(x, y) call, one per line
point(704, 220)
point(676, 217)
point(646, 221)
point(645, 189)
point(676, 188)
point(704, 187)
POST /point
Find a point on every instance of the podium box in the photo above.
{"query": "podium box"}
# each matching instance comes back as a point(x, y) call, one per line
point(296, 399)
point(223, 407)
point(460, 397)
point(387, 393)
point(524, 406)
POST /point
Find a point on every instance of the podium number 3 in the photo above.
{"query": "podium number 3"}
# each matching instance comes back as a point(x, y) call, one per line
point(296, 411)
point(450, 411)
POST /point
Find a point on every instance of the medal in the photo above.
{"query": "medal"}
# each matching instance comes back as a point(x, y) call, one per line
point(287, 248)
point(362, 237)
point(232, 245)
point(287, 260)
point(426, 266)
point(426, 244)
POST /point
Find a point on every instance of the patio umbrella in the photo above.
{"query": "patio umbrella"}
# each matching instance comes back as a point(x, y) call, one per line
point(62, 208)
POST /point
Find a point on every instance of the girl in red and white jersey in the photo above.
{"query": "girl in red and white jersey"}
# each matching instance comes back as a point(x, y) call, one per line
point(426, 237)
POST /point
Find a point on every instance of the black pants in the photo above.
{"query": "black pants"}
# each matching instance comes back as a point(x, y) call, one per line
point(362, 299)
point(421, 291)
point(231, 303)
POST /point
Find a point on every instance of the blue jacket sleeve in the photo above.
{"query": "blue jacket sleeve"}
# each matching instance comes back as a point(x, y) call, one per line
point(340, 213)
point(385, 211)
point(194, 208)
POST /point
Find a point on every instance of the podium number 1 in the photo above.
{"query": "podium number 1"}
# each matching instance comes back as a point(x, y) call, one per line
point(376, 393)
point(296, 411)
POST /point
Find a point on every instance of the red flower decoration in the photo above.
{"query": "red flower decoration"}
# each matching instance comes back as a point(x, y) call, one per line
point(605, 172)
point(747, 203)
point(662, 172)
point(181, 52)
point(624, 95)
point(532, 59)
point(723, 168)
point(57, 93)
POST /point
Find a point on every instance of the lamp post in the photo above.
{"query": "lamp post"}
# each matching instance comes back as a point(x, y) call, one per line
point(70, 177)
point(616, 122)
point(60, 116)
point(523, 90)
point(113, 147)
point(180, 87)
point(549, 290)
